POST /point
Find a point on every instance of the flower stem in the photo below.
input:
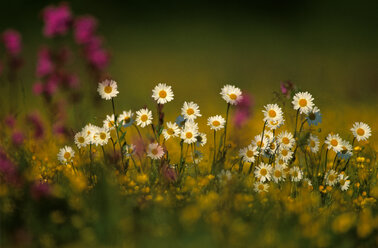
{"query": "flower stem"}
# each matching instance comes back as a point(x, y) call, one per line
point(116, 126)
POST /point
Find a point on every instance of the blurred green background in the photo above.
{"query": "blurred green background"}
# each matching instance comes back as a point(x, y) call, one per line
point(328, 48)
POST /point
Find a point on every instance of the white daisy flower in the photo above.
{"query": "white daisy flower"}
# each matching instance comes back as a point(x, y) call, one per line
point(107, 89)
point(224, 176)
point(81, 139)
point(286, 139)
point(257, 141)
point(89, 130)
point(109, 122)
point(190, 111)
point(275, 124)
point(331, 178)
point(231, 94)
point(346, 150)
point(334, 142)
point(249, 153)
point(260, 187)
point(216, 122)
point(272, 147)
point(303, 101)
point(281, 162)
point(361, 131)
point(272, 112)
point(66, 154)
point(201, 139)
point(144, 117)
point(313, 143)
point(278, 173)
point(126, 118)
point(162, 93)
point(172, 130)
point(102, 137)
point(263, 172)
point(269, 135)
point(189, 132)
point(343, 181)
point(155, 151)
point(285, 154)
point(296, 174)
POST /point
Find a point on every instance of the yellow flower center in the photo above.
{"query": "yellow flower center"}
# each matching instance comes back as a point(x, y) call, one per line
point(144, 118)
point(154, 151)
point(360, 131)
point(250, 153)
point(111, 124)
point(170, 131)
point(127, 119)
point(331, 178)
point(188, 135)
point(263, 172)
point(67, 155)
point(232, 96)
point(81, 139)
point(312, 116)
point(162, 94)
point(303, 103)
point(312, 143)
point(284, 152)
point(342, 181)
point(295, 174)
point(285, 140)
point(334, 142)
point(216, 123)
point(272, 113)
point(260, 187)
point(102, 136)
point(259, 143)
point(190, 111)
point(272, 146)
point(108, 89)
point(277, 173)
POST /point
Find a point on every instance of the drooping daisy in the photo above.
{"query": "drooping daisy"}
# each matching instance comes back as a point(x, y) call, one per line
point(144, 117)
point(314, 117)
point(285, 154)
point(313, 143)
point(162, 93)
point(286, 139)
point(109, 122)
point(189, 132)
point(272, 112)
point(216, 122)
point(102, 137)
point(260, 187)
point(343, 181)
point(260, 142)
point(296, 174)
point(231, 94)
point(155, 151)
point(361, 131)
point(66, 154)
point(263, 172)
point(172, 130)
point(334, 142)
point(190, 111)
point(331, 178)
point(249, 153)
point(346, 150)
point(107, 89)
point(126, 118)
point(278, 173)
point(275, 124)
point(81, 139)
point(201, 139)
point(303, 101)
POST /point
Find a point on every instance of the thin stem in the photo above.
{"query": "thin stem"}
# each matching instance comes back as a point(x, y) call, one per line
point(225, 129)
point(296, 121)
point(116, 125)
point(215, 142)
point(261, 141)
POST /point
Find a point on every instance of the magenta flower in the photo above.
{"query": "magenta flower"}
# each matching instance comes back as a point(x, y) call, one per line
point(38, 88)
point(10, 121)
point(12, 42)
point(44, 63)
point(169, 173)
point(40, 190)
point(84, 29)
point(35, 121)
point(18, 138)
point(57, 20)
point(99, 58)
point(8, 170)
point(243, 110)
point(286, 88)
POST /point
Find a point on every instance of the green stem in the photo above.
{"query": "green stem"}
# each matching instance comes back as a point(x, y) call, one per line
point(116, 125)
point(225, 129)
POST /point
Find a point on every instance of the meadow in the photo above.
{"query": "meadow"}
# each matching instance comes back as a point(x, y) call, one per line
point(95, 155)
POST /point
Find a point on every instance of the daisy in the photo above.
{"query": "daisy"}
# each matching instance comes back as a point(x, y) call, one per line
point(268, 135)
point(278, 174)
point(346, 150)
point(189, 132)
point(190, 111)
point(272, 112)
point(90, 130)
point(334, 142)
point(172, 130)
point(216, 122)
point(201, 139)
point(162, 93)
point(303, 101)
point(155, 151)
point(275, 124)
point(286, 139)
point(272, 147)
point(263, 172)
point(331, 178)
point(126, 118)
point(81, 139)
point(296, 174)
point(144, 117)
point(198, 156)
point(307, 182)
point(313, 143)
point(224, 176)
point(102, 137)
point(259, 142)
point(249, 153)
point(260, 187)
point(129, 150)
point(285, 154)
point(231, 94)
point(314, 117)
point(66, 154)
point(361, 131)
point(109, 122)
point(343, 181)
point(107, 89)
point(281, 162)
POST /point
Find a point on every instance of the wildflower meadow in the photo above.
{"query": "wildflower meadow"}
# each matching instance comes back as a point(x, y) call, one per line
point(172, 173)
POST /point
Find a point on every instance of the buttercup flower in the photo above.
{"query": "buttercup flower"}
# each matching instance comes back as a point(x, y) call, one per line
point(216, 122)
point(263, 172)
point(66, 154)
point(334, 142)
point(231, 94)
point(361, 131)
point(144, 117)
point(162, 93)
point(249, 153)
point(190, 111)
point(172, 130)
point(155, 151)
point(303, 101)
point(107, 89)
